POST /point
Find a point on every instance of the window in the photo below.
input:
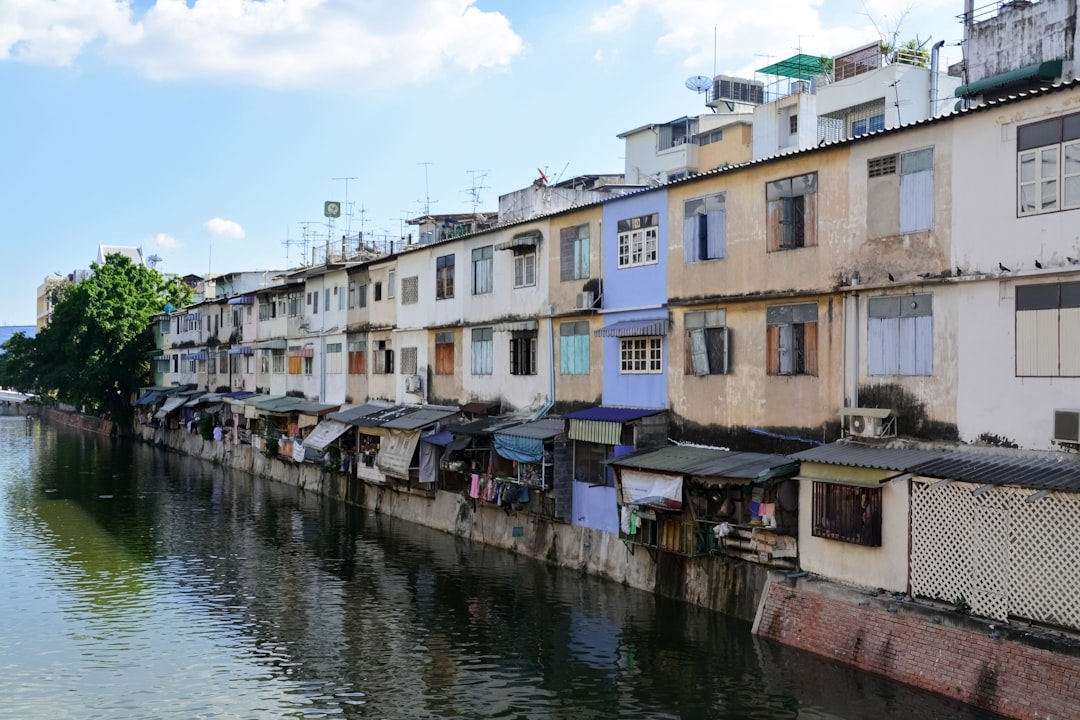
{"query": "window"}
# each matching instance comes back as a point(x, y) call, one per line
point(326, 303)
point(410, 290)
point(264, 361)
point(710, 137)
point(340, 298)
point(309, 363)
point(792, 339)
point(378, 291)
point(574, 253)
point(792, 212)
point(793, 124)
point(357, 357)
point(267, 309)
point(638, 240)
point(390, 276)
point(361, 296)
point(223, 362)
point(707, 343)
point(482, 351)
point(333, 358)
point(383, 359)
point(641, 355)
point(444, 277)
point(900, 193)
point(847, 513)
point(1048, 330)
point(574, 348)
point(352, 294)
point(590, 464)
point(900, 335)
point(408, 361)
point(704, 229)
point(861, 126)
point(1048, 165)
point(444, 353)
point(525, 268)
point(523, 353)
point(481, 270)
point(315, 305)
point(296, 360)
point(278, 360)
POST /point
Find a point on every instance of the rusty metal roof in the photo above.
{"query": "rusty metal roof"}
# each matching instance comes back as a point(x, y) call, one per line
point(704, 462)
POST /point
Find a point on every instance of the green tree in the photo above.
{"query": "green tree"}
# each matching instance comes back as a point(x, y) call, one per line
point(18, 364)
point(94, 354)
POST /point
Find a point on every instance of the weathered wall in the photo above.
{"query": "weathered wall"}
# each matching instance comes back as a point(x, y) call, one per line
point(1016, 673)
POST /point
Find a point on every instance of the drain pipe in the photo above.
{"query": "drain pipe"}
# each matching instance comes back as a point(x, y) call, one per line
point(551, 366)
point(935, 51)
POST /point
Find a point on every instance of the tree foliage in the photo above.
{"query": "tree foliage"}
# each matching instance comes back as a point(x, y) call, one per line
point(95, 352)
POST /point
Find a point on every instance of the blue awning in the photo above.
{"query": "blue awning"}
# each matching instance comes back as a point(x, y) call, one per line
point(522, 449)
point(242, 350)
point(148, 398)
point(241, 300)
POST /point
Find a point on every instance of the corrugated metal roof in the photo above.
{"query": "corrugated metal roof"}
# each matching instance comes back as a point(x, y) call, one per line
point(864, 456)
point(711, 462)
point(377, 418)
point(635, 328)
point(487, 426)
point(420, 418)
point(607, 413)
point(325, 433)
point(313, 408)
point(277, 405)
point(538, 430)
point(1028, 469)
point(352, 414)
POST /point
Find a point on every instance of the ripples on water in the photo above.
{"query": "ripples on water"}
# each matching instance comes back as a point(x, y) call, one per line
point(143, 584)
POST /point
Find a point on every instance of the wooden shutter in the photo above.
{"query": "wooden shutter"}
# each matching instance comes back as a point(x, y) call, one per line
point(810, 338)
point(772, 350)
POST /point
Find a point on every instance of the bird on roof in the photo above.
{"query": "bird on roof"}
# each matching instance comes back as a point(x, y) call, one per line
point(1072, 261)
point(891, 278)
point(959, 272)
point(1038, 264)
point(1002, 268)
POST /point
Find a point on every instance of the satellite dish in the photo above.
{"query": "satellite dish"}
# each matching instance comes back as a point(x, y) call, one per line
point(168, 307)
point(698, 83)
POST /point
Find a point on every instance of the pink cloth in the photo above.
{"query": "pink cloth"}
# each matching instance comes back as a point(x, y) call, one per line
point(474, 488)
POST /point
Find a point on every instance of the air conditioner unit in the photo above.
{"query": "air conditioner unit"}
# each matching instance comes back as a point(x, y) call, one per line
point(1067, 426)
point(868, 422)
point(585, 300)
point(412, 383)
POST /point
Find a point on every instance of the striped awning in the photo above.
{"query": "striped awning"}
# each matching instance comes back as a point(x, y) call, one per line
point(241, 300)
point(522, 326)
point(634, 328)
point(596, 431)
point(525, 239)
point(242, 350)
point(275, 344)
point(200, 355)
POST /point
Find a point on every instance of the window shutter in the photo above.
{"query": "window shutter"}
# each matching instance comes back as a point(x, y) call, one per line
point(775, 228)
point(773, 349)
point(699, 354)
point(717, 230)
point(690, 239)
point(810, 338)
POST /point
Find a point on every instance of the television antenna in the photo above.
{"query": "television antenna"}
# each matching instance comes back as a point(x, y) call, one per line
point(346, 207)
point(427, 194)
point(477, 185)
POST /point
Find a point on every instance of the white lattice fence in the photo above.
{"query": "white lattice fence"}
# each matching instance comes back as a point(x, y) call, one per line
point(1004, 555)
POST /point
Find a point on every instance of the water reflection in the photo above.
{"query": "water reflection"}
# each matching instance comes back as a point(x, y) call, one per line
point(147, 584)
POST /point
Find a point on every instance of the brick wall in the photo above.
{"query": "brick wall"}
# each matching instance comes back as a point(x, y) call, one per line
point(1009, 670)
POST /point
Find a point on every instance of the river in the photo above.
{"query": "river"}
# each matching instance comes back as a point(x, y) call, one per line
point(143, 584)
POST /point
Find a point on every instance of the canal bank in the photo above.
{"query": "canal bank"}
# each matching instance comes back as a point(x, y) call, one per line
point(1015, 672)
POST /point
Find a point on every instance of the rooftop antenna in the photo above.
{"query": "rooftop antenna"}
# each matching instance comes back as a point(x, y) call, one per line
point(477, 185)
point(427, 196)
point(698, 83)
point(347, 208)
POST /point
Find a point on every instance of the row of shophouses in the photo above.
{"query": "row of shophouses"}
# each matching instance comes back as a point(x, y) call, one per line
point(860, 360)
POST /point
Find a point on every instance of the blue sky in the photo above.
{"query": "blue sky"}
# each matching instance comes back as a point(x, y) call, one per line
point(210, 132)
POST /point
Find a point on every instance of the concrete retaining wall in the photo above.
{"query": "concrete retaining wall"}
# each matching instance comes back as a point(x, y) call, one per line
point(1016, 672)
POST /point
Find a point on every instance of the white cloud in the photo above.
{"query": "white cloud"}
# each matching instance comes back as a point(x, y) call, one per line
point(162, 240)
point(220, 228)
point(272, 43)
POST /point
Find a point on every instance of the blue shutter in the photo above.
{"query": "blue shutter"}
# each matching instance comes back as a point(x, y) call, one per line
point(690, 239)
point(717, 224)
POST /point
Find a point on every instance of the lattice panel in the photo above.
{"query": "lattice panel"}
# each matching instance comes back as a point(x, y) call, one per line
point(1045, 578)
point(1006, 556)
point(941, 560)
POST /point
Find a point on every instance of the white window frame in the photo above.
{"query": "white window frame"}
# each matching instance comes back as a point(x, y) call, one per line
point(525, 269)
point(483, 262)
point(482, 350)
point(900, 335)
point(641, 355)
point(639, 241)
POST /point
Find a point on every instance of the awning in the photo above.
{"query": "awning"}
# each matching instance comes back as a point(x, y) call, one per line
point(327, 432)
point(604, 424)
point(655, 489)
point(302, 352)
point(420, 417)
point(526, 239)
point(155, 353)
point(634, 328)
point(242, 300)
point(148, 398)
point(1049, 70)
point(395, 452)
point(522, 326)
point(481, 408)
point(242, 350)
point(350, 415)
point(521, 449)
point(275, 344)
point(200, 355)
point(446, 439)
point(171, 404)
